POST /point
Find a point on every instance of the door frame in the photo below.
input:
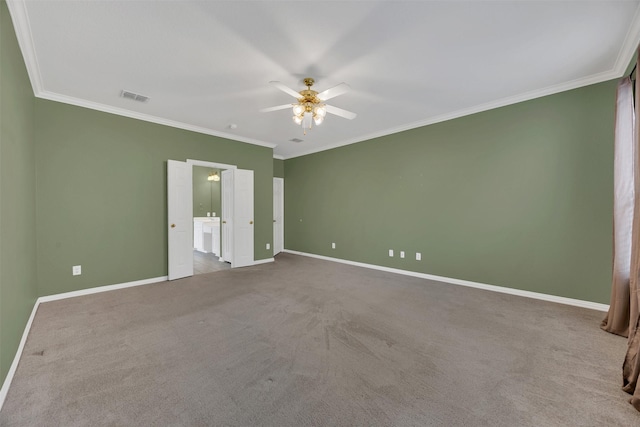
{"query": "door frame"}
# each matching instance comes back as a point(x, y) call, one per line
point(278, 179)
point(212, 165)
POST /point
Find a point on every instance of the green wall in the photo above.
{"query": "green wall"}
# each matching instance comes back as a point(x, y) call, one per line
point(206, 194)
point(102, 194)
point(17, 195)
point(278, 168)
point(519, 196)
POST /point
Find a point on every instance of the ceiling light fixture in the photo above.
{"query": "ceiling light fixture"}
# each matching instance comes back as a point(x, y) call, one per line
point(310, 107)
point(213, 176)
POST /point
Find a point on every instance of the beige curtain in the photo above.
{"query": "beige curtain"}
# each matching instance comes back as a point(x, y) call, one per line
point(631, 366)
point(623, 317)
point(620, 313)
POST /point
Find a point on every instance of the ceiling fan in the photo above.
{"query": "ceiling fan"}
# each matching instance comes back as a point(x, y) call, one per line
point(310, 107)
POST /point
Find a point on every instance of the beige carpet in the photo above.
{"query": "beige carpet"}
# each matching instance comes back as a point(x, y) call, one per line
point(307, 342)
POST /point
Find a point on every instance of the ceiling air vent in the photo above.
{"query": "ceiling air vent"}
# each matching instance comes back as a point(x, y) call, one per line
point(133, 96)
point(296, 140)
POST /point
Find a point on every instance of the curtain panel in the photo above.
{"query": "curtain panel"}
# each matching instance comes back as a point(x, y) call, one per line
point(619, 316)
point(631, 366)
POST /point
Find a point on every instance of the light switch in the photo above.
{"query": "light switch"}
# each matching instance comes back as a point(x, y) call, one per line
point(268, 245)
point(390, 252)
point(333, 246)
point(401, 254)
point(418, 256)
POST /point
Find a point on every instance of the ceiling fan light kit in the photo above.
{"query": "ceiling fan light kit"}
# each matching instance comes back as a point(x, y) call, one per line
point(310, 107)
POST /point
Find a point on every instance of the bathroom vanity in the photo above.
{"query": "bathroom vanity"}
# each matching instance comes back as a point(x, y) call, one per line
point(206, 234)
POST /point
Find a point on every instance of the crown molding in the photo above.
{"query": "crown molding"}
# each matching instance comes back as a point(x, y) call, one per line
point(527, 96)
point(625, 54)
point(629, 47)
point(18, 12)
point(147, 117)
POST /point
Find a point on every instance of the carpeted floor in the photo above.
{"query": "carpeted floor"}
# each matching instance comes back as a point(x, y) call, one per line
point(308, 342)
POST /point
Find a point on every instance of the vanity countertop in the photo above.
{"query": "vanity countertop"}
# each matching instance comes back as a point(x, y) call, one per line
point(207, 218)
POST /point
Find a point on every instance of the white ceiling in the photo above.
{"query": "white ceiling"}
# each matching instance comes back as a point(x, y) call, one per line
point(207, 64)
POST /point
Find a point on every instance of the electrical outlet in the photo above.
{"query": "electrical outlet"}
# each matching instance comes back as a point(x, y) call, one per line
point(418, 256)
point(333, 246)
point(401, 254)
point(391, 252)
point(268, 245)
point(76, 270)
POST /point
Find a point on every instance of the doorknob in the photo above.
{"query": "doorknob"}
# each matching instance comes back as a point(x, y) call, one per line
point(274, 220)
point(250, 222)
point(173, 226)
point(224, 222)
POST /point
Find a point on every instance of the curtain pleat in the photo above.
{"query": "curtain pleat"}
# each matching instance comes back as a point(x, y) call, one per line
point(620, 308)
point(631, 366)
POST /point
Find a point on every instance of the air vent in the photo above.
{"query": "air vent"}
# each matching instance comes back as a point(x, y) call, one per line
point(133, 96)
point(296, 140)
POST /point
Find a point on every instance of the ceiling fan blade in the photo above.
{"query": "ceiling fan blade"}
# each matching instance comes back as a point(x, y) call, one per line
point(332, 92)
point(279, 107)
point(340, 112)
point(286, 89)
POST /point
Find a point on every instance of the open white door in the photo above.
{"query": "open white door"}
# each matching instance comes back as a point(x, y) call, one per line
point(278, 215)
point(237, 217)
point(180, 215)
point(226, 217)
point(243, 218)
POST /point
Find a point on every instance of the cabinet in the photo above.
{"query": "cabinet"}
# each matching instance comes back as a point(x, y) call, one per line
point(211, 237)
point(206, 234)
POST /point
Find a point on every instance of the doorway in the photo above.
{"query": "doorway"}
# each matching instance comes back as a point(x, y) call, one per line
point(207, 185)
point(239, 236)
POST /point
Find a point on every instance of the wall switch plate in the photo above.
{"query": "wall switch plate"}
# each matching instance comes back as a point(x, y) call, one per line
point(418, 256)
point(76, 270)
point(390, 252)
point(333, 246)
point(268, 245)
point(401, 254)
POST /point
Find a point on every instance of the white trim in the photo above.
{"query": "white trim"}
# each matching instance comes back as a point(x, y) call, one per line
point(629, 45)
point(19, 16)
point(18, 12)
point(263, 261)
point(100, 289)
point(552, 298)
point(493, 288)
point(146, 117)
point(207, 164)
point(527, 96)
point(16, 359)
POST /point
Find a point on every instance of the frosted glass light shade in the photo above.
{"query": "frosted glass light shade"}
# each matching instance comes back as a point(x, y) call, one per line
point(298, 110)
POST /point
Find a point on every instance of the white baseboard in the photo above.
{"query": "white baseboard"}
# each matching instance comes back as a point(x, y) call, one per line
point(99, 289)
point(14, 365)
point(16, 359)
point(263, 261)
point(552, 298)
point(501, 289)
